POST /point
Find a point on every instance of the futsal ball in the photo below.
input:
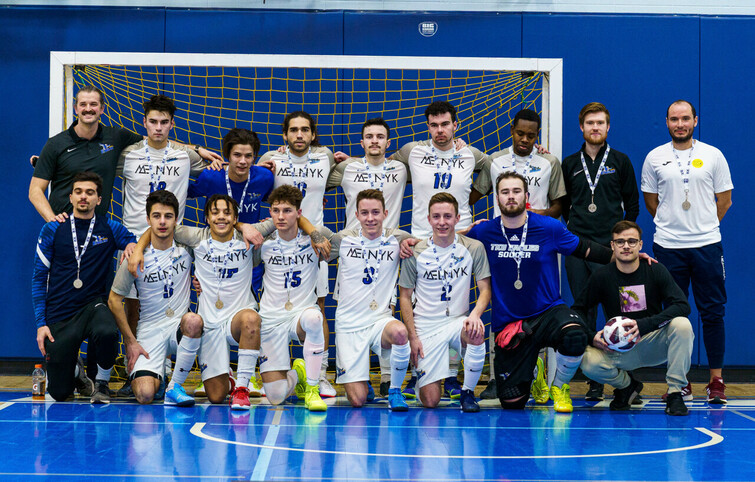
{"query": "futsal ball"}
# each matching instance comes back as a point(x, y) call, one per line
point(616, 336)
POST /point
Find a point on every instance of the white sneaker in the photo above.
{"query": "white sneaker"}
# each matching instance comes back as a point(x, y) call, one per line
point(326, 389)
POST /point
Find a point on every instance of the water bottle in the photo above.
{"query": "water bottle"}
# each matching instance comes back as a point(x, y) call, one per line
point(38, 383)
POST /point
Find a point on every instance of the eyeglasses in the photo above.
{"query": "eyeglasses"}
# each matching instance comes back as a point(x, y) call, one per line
point(632, 242)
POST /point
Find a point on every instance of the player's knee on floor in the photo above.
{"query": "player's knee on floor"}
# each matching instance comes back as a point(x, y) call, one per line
point(143, 384)
point(311, 322)
point(60, 393)
point(276, 392)
point(573, 340)
point(514, 397)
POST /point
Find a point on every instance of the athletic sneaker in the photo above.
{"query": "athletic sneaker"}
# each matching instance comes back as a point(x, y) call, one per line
point(199, 391)
point(160, 395)
point(716, 391)
point(622, 397)
point(240, 399)
point(452, 387)
point(561, 399)
point(396, 400)
point(84, 385)
point(468, 402)
point(539, 387)
point(301, 374)
point(686, 394)
point(490, 392)
point(177, 396)
point(370, 393)
point(594, 391)
point(326, 389)
point(255, 388)
point(675, 404)
point(125, 391)
point(409, 390)
point(101, 393)
point(312, 399)
point(385, 388)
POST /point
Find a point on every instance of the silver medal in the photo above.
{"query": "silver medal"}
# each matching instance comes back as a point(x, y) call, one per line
point(592, 207)
point(686, 205)
point(77, 283)
point(219, 305)
point(289, 306)
point(169, 312)
point(373, 305)
point(518, 284)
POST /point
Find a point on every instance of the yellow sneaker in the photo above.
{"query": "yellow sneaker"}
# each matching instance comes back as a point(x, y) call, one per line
point(199, 391)
point(539, 387)
point(255, 388)
point(301, 373)
point(312, 399)
point(561, 399)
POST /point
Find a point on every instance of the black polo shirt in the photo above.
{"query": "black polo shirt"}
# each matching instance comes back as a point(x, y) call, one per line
point(67, 154)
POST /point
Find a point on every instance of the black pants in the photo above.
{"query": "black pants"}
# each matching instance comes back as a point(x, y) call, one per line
point(94, 322)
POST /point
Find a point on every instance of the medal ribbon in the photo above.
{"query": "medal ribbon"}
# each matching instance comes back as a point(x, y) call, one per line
point(76, 252)
point(590, 182)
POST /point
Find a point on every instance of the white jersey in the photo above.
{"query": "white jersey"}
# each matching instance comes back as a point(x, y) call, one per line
point(709, 174)
point(164, 285)
point(145, 170)
point(370, 269)
point(545, 180)
point(225, 272)
point(355, 175)
point(433, 171)
point(309, 173)
point(291, 269)
point(441, 278)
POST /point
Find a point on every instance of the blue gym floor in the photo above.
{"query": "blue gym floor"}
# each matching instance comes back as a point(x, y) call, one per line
point(126, 441)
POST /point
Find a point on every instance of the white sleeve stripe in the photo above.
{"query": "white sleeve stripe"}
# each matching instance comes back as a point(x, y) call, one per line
point(42, 257)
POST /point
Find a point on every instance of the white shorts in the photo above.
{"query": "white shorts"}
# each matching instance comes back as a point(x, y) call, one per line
point(275, 337)
point(353, 351)
point(159, 343)
point(323, 286)
point(435, 344)
point(215, 350)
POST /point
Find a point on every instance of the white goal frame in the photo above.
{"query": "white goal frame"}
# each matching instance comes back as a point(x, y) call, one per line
point(62, 63)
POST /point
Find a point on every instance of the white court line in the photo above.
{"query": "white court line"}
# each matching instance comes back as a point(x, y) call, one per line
point(5, 405)
point(742, 415)
point(715, 439)
point(263, 460)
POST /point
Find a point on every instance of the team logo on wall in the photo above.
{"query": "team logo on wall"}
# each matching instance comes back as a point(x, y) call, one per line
point(428, 29)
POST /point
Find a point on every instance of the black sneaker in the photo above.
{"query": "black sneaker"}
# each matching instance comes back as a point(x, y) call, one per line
point(622, 397)
point(125, 391)
point(637, 400)
point(468, 403)
point(84, 385)
point(101, 392)
point(490, 392)
point(594, 392)
point(675, 404)
point(384, 388)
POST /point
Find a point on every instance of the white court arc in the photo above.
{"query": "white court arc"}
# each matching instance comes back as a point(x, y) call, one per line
point(715, 439)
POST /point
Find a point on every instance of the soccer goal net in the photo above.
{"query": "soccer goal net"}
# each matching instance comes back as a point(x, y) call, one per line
point(214, 93)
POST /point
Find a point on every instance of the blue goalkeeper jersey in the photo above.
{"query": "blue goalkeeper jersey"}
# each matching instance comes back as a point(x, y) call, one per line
point(261, 182)
point(54, 296)
point(546, 237)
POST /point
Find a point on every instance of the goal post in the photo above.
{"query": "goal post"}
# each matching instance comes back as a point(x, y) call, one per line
point(63, 63)
point(215, 92)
